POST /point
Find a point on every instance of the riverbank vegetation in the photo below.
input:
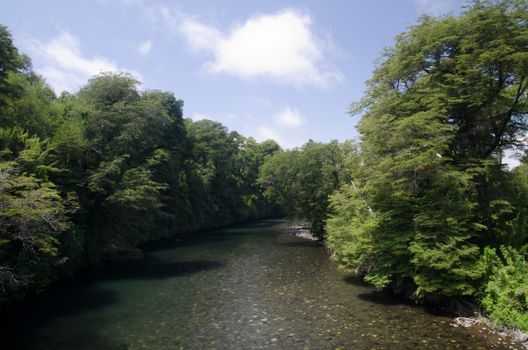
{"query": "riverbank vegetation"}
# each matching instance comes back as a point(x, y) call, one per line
point(301, 180)
point(422, 204)
point(88, 176)
point(426, 206)
point(433, 211)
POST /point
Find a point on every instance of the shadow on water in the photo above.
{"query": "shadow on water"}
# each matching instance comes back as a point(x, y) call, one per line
point(355, 280)
point(389, 298)
point(253, 225)
point(21, 322)
point(384, 297)
point(153, 269)
point(80, 295)
point(377, 296)
point(80, 340)
point(209, 236)
point(301, 244)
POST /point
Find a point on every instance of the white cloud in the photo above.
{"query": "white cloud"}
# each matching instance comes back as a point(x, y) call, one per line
point(281, 128)
point(284, 127)
point(433, 7)
point(144, 47)
point(199, 36)
point(281, 47)
point(288, 117)
point(62, 63)
point(512, 163)
point(264, 133)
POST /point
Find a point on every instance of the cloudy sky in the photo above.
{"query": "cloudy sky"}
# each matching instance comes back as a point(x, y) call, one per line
point(286, 70)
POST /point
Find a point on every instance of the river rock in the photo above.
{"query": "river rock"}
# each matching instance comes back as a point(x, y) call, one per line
point(466, 322)
point(302, 231)
point(520, 337)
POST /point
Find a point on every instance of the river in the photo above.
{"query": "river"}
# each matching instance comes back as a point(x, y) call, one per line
point(245, 287)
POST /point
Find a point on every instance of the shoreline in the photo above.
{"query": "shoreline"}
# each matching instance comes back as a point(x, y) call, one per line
point(302, 230)
point(485, 324)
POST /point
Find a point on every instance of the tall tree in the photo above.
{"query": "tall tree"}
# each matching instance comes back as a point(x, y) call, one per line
point(440, 110)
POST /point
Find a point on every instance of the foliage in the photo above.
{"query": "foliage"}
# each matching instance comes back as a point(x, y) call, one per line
point(352, 226)
point(441, 108)
point(505, 294)
point(33, 215)
point(301, 180)
point(89, 176)
point(519, 186)
point(421, 205)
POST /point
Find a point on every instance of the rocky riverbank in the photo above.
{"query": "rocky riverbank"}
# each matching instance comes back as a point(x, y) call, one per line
point(503, 337)
point(302, 230)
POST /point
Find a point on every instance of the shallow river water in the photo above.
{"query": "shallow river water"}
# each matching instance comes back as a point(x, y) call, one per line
point(246, 287)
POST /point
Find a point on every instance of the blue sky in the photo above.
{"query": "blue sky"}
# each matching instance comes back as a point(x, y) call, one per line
point(286, 70)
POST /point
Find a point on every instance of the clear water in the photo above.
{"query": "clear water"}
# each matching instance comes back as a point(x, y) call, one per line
point(246, 287)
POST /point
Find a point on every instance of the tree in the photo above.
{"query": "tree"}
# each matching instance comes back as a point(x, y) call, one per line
point(126, 132)
point(10, 61)
point(301, 180)
point(440, 110)
point(34, 108)
point(33, 216)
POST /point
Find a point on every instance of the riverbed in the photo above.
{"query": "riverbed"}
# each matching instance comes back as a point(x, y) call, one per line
point(252, 286)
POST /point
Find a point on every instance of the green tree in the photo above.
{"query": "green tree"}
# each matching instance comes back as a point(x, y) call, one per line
point(10, 61)
point(125, 133)
point(504, 296)
point(33, 216)
point(301, 180)
point(441, 108)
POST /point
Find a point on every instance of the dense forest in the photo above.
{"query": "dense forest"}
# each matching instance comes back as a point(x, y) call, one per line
point(88, 176)
point(421, 204)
